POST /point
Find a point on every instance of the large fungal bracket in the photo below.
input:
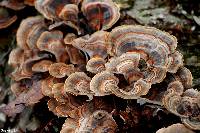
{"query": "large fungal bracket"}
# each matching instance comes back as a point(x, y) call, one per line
point(150, 48)
point(183, 104)
point(52, 41)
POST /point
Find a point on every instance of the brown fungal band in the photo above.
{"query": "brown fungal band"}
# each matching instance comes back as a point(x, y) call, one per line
point(6, 19)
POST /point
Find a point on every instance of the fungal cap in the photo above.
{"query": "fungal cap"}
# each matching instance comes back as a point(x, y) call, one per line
point(16, 57)
point(102, 82)
point(78, 84)
point(60, 70)
point(94, 45)
point(42, 66)
point(6, 19)
point(143, 31)
point(24, 29)
point(51, 41)
point(99, 121)
point(69, 38)
point(100, 14)
point(95, 65)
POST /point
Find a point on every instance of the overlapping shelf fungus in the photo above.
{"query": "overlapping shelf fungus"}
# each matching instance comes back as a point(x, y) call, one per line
point(76, 70)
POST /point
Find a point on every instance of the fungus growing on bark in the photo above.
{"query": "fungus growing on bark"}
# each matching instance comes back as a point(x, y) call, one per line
point(62, 12)
point(61, 103)
point(94, 117)
point(94, 45)
point(69, 38)
point(16, 4)
point(124, 62)
point(185, 77)
point(16, 57)
point(17, 88)
point(75, 55)
point(29, 96)
point(47, 85)
point(24, 62)
point(131, 44)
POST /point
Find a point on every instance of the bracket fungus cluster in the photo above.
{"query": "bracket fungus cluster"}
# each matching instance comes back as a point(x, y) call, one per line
point(7, 6)
point(124, 62)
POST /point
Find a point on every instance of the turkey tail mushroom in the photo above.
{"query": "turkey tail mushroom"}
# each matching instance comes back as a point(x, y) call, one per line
point(185, 77)
point(29, 31)
point(6, 19)
point(96, 65)
point(62, 9)
point(75, 55)
point(100, 14)
point(172, 97)
point(60, 70)
point(96, 47)
point(183, 104)
point(102, 83)
point(152, 49)
point(63, 104)
point(52, 41)
point(42, 66)
point(126, 64)
point(78, 83)
point(97, 122)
